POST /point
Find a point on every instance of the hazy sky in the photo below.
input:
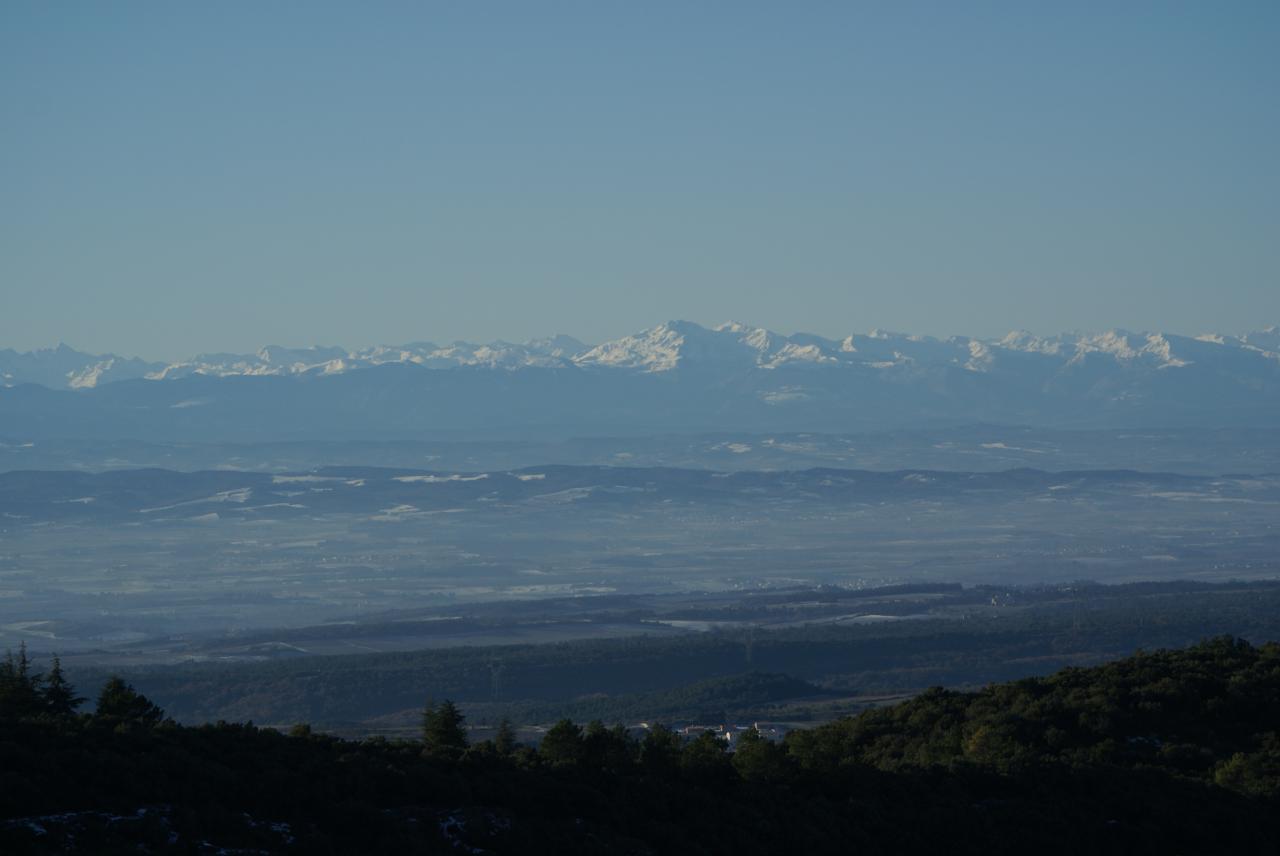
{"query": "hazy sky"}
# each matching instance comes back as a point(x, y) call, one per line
point(178, 177)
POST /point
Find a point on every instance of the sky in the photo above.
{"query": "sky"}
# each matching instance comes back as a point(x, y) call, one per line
point(181, 177)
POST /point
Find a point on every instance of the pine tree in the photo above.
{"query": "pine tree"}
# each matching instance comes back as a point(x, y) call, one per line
point(758, 759)
point(562, 744)
point(121, 704)
point(8, 687)
point(59, 696)
point(442, 730)
point(660, 749)
point(19, 687)
point(608, 748)
point(505, 740)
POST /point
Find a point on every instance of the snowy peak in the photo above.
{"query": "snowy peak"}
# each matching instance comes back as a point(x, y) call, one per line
point(1021, 340)
point(65, 367)
point(683, 344)
point(274, 355)
point(1125, 346)
point(552, 352)
point(657, 349)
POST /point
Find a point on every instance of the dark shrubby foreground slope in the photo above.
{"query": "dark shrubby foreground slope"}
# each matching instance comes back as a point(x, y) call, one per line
point(1169, 752)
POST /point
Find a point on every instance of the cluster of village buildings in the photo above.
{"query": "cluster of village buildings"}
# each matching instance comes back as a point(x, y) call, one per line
point(730, 733)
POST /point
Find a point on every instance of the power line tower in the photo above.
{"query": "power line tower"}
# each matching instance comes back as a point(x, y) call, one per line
point(497, 671)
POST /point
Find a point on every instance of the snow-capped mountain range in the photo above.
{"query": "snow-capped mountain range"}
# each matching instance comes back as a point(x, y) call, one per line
point(672, 346)
point(677, 377)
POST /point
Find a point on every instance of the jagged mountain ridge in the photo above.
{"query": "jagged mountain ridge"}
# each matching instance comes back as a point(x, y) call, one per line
point(678, 377)
point(666, 347)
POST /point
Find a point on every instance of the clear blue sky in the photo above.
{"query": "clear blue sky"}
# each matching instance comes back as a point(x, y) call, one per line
point(178, 176)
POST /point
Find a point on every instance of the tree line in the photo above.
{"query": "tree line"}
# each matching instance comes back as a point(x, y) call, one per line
point(1165, 751)
point(1209, 712)
point(26, 693)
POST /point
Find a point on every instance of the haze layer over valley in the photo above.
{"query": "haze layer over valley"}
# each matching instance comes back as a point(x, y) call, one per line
point(157, 565)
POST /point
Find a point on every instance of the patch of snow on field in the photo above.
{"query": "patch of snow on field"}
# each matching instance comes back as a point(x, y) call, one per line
point(240, 494)
point(401, 513)
point(397, 513)
point(1008, 448)
point(304, 479)
point(431, 479)
point(573, 494)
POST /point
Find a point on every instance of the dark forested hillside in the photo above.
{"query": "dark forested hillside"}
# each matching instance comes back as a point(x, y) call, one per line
point(639, 677)
point(1162, 752)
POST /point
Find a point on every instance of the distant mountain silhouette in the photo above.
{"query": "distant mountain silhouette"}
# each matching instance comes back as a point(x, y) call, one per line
point(676, 377)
